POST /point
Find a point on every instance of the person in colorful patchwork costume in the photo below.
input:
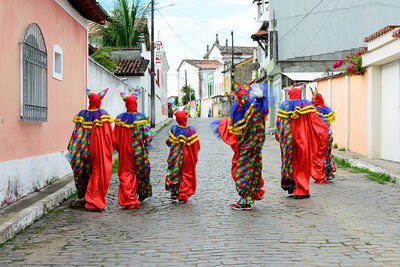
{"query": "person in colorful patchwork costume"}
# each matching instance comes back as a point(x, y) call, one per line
point(184, 146)
point(303, 139)
point(244, 131)
point(90, 150)
point(132, 137)
point(328, 116)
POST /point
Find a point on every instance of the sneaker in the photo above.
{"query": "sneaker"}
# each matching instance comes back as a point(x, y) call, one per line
point(142, 198)
point(237, 206)
point(182, 201)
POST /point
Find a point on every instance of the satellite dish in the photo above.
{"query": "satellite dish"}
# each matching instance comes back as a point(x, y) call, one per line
point(255, 66)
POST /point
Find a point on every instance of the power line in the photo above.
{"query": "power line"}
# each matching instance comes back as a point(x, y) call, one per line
point(306, 15)
point(322, 26)
point(177, 35)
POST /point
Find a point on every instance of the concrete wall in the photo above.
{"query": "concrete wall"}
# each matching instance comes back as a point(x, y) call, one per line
point(99, 79)
point(337, 25)
point(32, 153)
point(347, 96)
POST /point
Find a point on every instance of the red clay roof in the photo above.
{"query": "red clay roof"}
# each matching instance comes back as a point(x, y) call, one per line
point(204, 64)
point(90, 10)
point(396, 33)
point(260, 33)
point(132, 67)
point(380, 33)
point(362, 50)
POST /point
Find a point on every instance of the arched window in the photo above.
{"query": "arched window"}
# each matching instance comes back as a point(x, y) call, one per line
point(33, 75)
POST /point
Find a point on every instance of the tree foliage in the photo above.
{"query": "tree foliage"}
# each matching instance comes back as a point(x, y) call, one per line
point(127, 28)
point(104, 58)
point(188, 94)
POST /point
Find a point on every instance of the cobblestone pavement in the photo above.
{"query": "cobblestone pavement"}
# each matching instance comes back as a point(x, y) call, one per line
point(351, 222)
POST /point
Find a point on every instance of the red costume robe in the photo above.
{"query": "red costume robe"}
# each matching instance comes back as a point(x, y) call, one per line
point(303, 138)
point(132, 137)
point(327, 116)
point(184, 146)
point(90, 150)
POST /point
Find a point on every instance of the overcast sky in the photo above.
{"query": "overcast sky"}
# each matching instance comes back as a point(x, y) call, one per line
point(196, 22)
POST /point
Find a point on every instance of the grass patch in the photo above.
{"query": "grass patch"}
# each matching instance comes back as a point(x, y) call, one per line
point(159, 130)
point(115, 166)
point(55, 211)
point(16, 248)
point(7, 242)
point(342, 149)
point(335, 146)
point(381, 178)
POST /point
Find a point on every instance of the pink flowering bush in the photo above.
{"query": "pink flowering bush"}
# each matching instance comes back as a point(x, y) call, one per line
point(351, 64)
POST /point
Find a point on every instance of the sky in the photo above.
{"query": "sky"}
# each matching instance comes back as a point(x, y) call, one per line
point(196, 22)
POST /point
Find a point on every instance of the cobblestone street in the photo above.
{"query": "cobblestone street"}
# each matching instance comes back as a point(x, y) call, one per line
point(351, 222)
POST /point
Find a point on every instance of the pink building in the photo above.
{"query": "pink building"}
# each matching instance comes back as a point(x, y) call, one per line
point(44, 73)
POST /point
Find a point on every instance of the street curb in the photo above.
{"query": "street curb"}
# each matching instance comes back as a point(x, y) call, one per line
point(18, 221)
point(362, 164)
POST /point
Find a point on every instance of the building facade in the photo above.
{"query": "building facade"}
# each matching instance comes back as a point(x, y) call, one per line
point(44, 74)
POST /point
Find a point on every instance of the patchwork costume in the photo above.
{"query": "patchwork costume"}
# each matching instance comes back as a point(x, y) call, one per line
point(303, 139)
point(244, 131)
point(184, 146)
point(90, 151)
point(132, 137)
point(328, 116)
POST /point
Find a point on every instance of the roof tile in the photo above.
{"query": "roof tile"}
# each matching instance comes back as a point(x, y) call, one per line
point(380, 33)
point(132, 67)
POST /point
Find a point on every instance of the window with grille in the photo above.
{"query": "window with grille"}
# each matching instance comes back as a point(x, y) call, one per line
point(33, 75)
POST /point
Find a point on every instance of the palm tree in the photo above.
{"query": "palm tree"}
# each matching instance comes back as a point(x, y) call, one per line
point(188, 92)
point(127, 28)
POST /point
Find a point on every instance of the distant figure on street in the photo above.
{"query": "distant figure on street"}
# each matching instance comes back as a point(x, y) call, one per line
point(244, 131)
point(328, 116)
point(303, 139)
point(90, 151)
point(132, 137)
point(184, 146)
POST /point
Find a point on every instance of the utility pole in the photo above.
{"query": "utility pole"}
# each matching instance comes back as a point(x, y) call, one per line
point(190, 93)
point(152, 74)
point(232, 66)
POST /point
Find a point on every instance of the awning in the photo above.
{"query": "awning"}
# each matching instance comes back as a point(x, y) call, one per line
point(305, 76)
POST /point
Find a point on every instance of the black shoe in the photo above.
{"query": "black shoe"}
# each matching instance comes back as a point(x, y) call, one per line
point(301, 197)
point(142, 198)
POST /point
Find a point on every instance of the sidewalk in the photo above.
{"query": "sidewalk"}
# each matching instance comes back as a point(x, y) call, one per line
point(22, 213)
point(375, 165)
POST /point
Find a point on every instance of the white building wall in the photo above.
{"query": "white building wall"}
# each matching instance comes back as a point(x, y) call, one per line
point(192, 79)
point(20, 177)
point(99, 79)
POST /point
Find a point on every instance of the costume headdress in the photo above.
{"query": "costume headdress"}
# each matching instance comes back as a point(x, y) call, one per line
point(131, 101)
point(95, 99)
point(317, 98)
point(181, 115)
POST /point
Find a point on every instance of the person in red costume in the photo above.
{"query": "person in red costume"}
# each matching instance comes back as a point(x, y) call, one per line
point(90, 151)
point(184, 146)
point(328, 116)
point(303, 139)
point(132, 137)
